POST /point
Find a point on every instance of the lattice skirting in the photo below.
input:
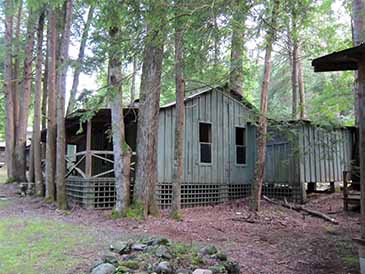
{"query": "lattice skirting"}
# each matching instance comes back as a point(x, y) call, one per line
point(99, 193)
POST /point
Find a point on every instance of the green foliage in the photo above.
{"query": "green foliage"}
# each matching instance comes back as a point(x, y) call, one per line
point(135, 211)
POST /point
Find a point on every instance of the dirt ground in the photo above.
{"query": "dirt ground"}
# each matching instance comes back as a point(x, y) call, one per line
point(278, 240)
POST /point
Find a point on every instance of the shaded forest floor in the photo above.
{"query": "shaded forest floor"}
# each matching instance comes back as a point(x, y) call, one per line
point(37, 238)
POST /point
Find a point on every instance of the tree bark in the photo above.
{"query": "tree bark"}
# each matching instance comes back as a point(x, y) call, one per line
point(9, 98)
point(147, 131)
point(36, 139)
point(133, 85)
point(237, 40)
point(301, 84)
point(262, 128)
point(294, 79)
point(51, 112)
point(178, 171)
point(61, 90)
point(24, 101)
point(358, 24)
point(80, 60)
point(120, 147)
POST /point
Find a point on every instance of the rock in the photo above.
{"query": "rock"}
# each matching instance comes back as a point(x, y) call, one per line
point(138, 247)
point(158, 241)
point(105, 268)
point(202, 271)
point(123, 269)
point(218, 269)
point(183, 271)
point(110, 259)
point(220, 256)
point(130, 264)
point(163, 252)
point(208, 250)
point(232, 267)
point(164, 268)
point(121, 247)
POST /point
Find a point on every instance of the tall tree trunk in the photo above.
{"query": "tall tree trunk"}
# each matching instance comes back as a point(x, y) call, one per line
point(238, 34)
point(358, 26)
point(262, 128)
point(36, 139)
point(120, 147)
point(9, 98)
point(24, 101)
point(51, 112)
point(178, 172)
point(61, 92)
point(80, 60)
point(301, 83)
point(133, 85)
point(16, 67)
point(147, 131)
point(294, 78)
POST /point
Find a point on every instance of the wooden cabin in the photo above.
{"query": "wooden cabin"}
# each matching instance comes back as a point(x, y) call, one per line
point(300, 155)
point(220, 153)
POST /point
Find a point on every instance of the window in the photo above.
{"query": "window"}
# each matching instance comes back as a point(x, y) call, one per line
point(240, 146)
point(205, 139)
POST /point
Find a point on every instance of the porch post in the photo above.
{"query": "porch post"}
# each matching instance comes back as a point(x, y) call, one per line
point(88, 160)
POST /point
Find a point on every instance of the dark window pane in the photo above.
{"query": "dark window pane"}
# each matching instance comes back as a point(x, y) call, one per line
point(205, 153)
point(241, 155)
point(240, 136)
point(205, 135)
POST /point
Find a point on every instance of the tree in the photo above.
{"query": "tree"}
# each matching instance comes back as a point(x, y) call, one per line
point(61, 92)
point(178, 171)
point(301, 84)
point(146, 169)
point(237, 49)
point(9, 98)
point(51, 112)
point(262, 127)
point(80, 59)
point(24, 100)
point(36, 139)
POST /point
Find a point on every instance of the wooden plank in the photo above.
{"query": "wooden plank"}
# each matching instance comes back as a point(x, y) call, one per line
point(88, 161)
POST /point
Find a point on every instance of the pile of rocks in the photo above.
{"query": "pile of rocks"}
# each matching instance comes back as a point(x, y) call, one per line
point(160, 256)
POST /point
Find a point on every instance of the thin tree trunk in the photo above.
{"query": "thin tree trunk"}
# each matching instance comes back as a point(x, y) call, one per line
point(294, 79)
point(301, 84)
point(24, 101)
point(133, 85)
point(358, 36)
point(52, 91)
point(120, 147)
point(80, 60)
point(31, 170)
point(36, 140)
point(178, 172)
point(262, 128)
point(147, 131)
point(237, 40)
point(9, 98)
point(61, 90)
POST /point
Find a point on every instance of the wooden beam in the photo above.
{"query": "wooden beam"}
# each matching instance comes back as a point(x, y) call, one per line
point(88, 163)
point(361, 98)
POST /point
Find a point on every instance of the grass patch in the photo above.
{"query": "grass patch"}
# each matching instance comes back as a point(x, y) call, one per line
point(39, 246)
point(4, 203)
point(3, 175)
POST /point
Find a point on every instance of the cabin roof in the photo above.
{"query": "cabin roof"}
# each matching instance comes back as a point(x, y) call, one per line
point(341, 60)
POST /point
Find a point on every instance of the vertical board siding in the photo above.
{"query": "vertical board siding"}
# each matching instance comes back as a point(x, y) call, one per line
point(224, 113)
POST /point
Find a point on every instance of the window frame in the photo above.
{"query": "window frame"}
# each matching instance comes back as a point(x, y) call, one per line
point(235, 145)
point(211, 143)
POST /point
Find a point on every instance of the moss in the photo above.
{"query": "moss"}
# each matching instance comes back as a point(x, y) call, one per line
point(131, 264)
point(135, 211)
point(117, 215)
point(351, 261)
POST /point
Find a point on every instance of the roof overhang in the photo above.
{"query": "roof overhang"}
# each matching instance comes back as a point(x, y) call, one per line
point(347, 59)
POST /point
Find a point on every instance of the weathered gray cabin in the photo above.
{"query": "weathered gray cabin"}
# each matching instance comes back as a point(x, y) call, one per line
point(301, 154)
point(220, 153)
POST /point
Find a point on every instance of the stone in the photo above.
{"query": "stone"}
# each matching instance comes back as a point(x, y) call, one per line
point(104, 268)
point(183, 271)
point(232, 267)
point(123, 269)
point(110, 259)
point(202, 271)
point(130, 264)
point(163, 252)
point(121, 247)
point(138, 247)
point(220, 256)
point(158, 241)
point(164, 268)
point(208, 250)
point(218, 269)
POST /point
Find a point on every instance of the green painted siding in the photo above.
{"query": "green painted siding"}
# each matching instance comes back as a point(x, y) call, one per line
point(224, 113)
